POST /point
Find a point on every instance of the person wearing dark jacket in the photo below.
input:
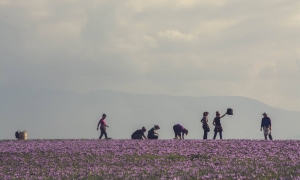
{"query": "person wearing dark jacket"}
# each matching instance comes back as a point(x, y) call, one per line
point(179, 131)
point(266, 125)
point(139, 134)
point(217, 124)
point(152, 134)
point(205, 126)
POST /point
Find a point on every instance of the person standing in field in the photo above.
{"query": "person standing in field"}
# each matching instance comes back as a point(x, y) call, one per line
point(179, 131)
point(152, 134)
point(139, 134)
point(103, 126)
point(205, 126)
point(217, 124)
point(266, 125)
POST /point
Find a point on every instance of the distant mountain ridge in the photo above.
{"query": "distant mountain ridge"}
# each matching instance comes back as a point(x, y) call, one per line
point(54, 114)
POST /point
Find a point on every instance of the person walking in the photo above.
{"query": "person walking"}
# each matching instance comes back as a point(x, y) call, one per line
point(266, 125)
point(205, 126)
point(217, 124)
point(152, 134)
point(179, 131)
point(139, 134)
point(103, 126)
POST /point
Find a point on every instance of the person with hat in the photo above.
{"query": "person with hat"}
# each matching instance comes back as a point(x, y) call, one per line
point(266, 125)
point(103, 126)
point(152, 134)
point(139, 134)
point(217, 124)
point(205, 126)
point(179, 131)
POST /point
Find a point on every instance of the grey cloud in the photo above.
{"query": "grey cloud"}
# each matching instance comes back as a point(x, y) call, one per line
point(229, 48)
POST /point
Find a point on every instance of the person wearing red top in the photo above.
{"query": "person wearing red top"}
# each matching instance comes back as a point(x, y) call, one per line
point(103, 126)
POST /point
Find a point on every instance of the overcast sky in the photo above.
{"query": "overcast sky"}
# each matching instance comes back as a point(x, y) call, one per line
point(198, 48)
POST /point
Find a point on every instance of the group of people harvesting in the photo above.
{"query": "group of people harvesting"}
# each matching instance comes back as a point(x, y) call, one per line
point(180, 131)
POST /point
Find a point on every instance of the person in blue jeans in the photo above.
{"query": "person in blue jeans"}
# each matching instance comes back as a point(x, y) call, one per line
point(267, 126)
point(217, 124)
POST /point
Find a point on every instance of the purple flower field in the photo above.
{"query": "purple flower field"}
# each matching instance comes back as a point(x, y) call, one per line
point(149, 159)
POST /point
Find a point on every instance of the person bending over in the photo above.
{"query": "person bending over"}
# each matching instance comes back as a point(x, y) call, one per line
point(152, 134)
point(179, 131)
point(139, 134)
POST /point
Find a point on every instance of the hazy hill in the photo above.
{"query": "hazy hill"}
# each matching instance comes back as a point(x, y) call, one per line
point(55, 114)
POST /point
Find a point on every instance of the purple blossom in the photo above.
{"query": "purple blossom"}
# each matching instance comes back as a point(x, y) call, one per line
point(149, 159)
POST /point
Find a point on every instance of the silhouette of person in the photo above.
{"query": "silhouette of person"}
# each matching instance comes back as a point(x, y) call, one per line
point(266, 125)
point(217, 124)
point(139, 134)
point(205, 126)
point(179, 131)
point(103, 126)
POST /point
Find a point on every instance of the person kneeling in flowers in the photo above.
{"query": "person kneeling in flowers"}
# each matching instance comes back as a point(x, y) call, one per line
point(152, 134)
point(139, 134)
point(179, 131)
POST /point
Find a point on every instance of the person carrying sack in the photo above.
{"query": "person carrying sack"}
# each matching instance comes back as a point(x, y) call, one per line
point(267, 126)
point(103, 126)
point(152, 134)
point(205, 126)
point(217, 124)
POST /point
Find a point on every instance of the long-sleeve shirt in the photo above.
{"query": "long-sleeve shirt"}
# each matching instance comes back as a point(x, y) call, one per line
point(266, 121)
point(139, 132)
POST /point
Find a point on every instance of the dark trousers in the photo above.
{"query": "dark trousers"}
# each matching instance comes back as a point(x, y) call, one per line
point(103, 132)
point(217, 133)
point(205, 134)
point(152, 137)
point(137, 137)
point(176, 131)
